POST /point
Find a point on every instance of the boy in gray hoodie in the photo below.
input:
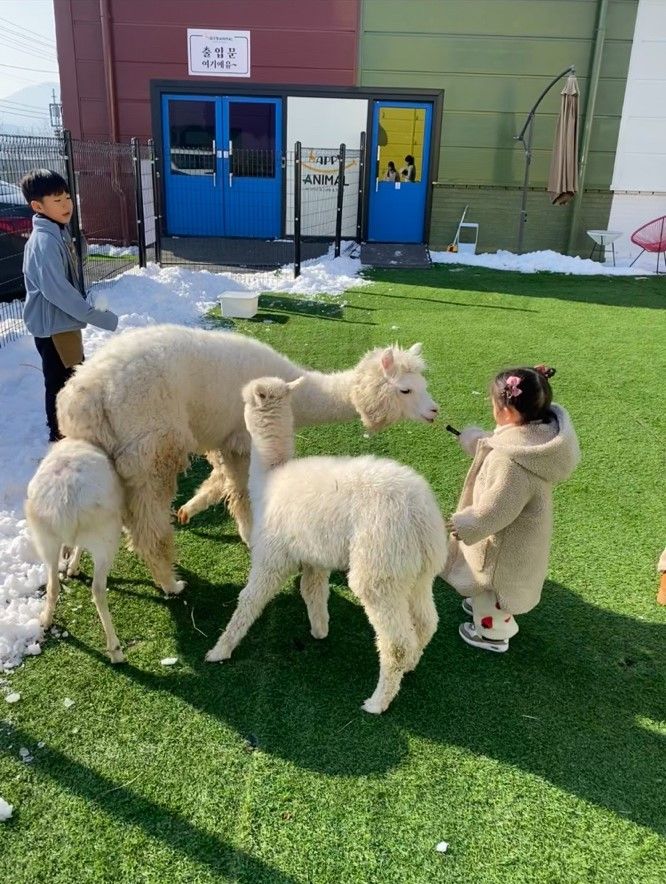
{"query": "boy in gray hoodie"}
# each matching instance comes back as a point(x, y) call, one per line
point(55, 311)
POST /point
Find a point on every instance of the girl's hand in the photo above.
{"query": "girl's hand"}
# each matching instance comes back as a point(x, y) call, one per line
point(451, 528)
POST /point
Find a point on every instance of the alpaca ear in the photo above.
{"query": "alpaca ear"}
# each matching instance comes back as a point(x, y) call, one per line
point(415, 349)
point(387, 360)
point(259, 394)
point(297, 383)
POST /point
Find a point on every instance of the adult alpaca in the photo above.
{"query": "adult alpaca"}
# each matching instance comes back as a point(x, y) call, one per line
point(153, 396)
point(374, 518)
point(75, 498)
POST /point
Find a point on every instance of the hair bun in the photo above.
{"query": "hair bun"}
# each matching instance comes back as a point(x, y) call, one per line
point(545, 370)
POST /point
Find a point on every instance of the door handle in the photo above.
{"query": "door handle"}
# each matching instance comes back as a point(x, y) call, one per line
point(214, 165)
point(231, 179)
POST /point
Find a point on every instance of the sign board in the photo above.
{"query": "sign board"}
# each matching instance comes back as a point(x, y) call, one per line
point(218, 53)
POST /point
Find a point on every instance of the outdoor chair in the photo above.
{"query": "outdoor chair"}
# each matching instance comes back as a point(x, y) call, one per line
point(651, 237)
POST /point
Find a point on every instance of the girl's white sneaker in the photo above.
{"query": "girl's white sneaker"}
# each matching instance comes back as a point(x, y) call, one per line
point(469, 634)
point(467, 606)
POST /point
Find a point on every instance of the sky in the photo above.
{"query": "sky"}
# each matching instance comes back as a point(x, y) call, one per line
point(27, 46)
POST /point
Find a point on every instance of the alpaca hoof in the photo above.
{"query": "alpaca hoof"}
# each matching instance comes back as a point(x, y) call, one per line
point(219, 653)
point(183, 515)
point(174, 588)
point(46, 621)
point(320, 633)
point(116, 656)
point(374, 707)
point(73, 571)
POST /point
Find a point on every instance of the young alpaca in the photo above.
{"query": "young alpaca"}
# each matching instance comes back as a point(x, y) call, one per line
point(372, 517)
point(75, 498)
point(153, 396)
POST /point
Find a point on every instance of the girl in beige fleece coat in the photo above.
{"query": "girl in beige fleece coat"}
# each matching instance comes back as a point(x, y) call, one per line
point(501, 532)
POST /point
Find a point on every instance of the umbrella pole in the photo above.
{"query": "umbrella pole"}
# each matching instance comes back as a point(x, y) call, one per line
point(527, 147)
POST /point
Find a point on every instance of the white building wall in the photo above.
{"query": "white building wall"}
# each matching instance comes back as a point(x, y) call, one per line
point(639, 176)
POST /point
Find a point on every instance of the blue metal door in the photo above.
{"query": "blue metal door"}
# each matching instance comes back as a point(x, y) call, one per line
point(192, 126)
point(222, 165)
point(400, 149)
point(253, 167)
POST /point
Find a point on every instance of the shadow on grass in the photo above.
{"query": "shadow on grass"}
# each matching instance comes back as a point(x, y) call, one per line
point(611, 291)
point(279, 308)
point(126, 805)
point(578, 701)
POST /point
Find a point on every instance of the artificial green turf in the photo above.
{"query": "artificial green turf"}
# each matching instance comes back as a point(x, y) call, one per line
point(546, 764)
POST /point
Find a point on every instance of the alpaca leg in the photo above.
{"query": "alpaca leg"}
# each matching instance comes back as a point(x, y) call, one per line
point(99, 595)
point(150, 486)
point(147, 515)
point(314, 589)
point(211, 491)
point(237, 467)
point(49, 549)
point(266, 578)
point(388, 612)
point(74, 562)
point(423, 612)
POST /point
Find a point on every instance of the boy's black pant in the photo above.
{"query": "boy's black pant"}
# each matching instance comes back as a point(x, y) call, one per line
point(55, 377)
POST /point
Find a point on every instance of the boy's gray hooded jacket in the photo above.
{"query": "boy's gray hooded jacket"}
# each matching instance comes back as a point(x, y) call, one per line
point(52, 303)
point(504, 517)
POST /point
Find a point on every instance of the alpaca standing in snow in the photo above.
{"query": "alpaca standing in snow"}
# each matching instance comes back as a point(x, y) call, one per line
point(372, 517)
point(76, 499)
point(151, 397)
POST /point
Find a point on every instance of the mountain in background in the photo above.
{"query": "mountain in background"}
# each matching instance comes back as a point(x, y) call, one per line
point(26, 111)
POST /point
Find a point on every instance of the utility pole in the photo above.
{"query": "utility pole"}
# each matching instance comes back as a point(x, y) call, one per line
point(55, 113)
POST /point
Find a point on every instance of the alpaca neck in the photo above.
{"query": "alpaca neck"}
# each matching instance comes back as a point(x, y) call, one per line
point(266, 454)
point(323, 398)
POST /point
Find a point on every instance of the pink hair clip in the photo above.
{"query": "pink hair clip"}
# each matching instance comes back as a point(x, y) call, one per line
point(512, 388)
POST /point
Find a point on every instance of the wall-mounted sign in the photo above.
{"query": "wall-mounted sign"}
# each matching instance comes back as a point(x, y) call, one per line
point(218, 53)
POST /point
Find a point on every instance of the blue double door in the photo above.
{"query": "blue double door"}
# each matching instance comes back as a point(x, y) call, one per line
point(222, 165)
point(398, 193)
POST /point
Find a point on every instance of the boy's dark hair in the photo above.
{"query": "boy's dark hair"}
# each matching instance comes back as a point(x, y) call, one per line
point(527, 390)
point(42, 182)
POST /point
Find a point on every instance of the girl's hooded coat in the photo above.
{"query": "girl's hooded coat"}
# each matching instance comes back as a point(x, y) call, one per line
point(505, 514)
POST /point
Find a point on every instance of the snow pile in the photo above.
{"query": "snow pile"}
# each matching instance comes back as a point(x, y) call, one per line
point(536, 262)
point(140, 297)
point(109, 251)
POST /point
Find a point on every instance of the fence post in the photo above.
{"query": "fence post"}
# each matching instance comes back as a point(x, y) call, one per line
point(341, 195)
point(138, 201)
point(156, 201)
point(297, 209)
point(76, 221)
point(361, 190)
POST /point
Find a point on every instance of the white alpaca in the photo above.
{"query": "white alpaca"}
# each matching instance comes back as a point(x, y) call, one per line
point(76, 499)
point(153, 396)
point(374, 518)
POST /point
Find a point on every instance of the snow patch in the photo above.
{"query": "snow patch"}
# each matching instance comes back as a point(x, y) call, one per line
point(537, 262)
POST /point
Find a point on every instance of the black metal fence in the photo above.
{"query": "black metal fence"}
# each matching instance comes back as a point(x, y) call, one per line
point(121, 220)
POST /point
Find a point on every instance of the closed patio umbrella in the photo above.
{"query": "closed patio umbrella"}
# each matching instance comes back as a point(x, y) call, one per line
point(563, 175)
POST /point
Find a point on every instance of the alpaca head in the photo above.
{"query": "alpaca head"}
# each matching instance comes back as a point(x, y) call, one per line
point(389, 386)
point(269, 418)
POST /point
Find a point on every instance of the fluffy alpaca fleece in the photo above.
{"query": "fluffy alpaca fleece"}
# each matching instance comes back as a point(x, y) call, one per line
point(374, 518)
point(153, 396)
point(76, 499)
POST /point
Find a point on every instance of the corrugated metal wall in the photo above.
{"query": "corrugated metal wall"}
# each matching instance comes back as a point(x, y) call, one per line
point(298, 41)
point(493, 57)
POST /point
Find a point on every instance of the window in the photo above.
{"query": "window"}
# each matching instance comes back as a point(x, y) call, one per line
point(192, 137)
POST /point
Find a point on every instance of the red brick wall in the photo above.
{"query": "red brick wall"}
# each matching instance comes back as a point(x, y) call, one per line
point(310, 42)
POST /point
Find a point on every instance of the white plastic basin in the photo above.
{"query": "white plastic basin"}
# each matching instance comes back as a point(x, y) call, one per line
point(239, 305)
